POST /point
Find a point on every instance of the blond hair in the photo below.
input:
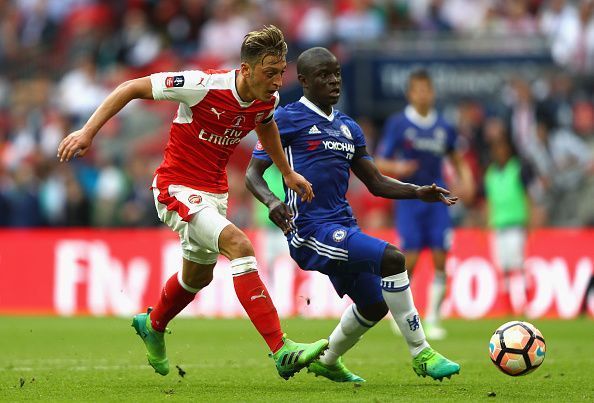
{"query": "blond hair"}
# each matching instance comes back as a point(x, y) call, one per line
point(269, 41)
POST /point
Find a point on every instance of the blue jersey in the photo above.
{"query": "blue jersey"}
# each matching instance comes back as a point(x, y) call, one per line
point(321, 148)
point(426, 140)
point(327, 239)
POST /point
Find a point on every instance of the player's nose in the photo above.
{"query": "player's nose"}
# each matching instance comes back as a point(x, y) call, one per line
point(278, 82)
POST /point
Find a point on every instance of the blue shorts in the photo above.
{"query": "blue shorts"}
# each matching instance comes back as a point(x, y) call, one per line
point(351, 259)
point(423, 225)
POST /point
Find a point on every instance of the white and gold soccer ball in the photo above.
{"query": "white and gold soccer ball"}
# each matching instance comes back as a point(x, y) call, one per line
point(517, 348)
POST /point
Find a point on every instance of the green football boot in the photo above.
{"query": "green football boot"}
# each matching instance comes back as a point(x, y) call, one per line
point(336, 373)
point(292, 357)
point(430, 362)
point(154, 342)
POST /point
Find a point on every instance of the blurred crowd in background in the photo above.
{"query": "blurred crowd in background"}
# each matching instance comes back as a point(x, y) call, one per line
point(60, 58)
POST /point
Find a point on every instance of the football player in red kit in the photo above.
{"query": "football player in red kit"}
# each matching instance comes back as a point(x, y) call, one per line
point(216, 110)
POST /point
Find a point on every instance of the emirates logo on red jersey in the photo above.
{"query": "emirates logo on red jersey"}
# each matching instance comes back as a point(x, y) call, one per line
point(195, 199)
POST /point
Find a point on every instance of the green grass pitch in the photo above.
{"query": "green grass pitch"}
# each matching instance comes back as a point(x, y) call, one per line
point(101, 359)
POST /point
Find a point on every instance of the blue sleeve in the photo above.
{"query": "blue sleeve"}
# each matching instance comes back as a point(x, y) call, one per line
point(354, 130)
point(260, 153)
point(287, 133)
point(358, 137)
point(391, 138)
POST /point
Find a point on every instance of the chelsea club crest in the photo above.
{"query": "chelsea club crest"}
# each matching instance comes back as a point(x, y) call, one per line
point(339, 235)
point(346, 132)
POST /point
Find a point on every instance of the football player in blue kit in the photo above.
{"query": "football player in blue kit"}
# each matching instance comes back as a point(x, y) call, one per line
point(413, 147)
point(324, 144)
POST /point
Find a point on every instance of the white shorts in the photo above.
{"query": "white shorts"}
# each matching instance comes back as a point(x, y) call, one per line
point(509, 245)
point(197, 216)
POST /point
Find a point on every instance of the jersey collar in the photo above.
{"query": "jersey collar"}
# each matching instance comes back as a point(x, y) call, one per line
point(423, 122)
point(317, 110)
point(233, 85)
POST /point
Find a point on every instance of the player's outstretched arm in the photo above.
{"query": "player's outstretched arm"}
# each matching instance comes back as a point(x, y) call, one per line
point(77, 143)
point(278, 212)
point(383, 186)
point(269, 137)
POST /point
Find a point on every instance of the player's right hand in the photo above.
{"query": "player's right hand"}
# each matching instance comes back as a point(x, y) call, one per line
point(434, 194)
point(280, 215)
point(76, 144)
point(300, 185)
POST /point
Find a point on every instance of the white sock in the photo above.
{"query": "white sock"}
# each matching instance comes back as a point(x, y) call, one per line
point(184, 285)
point(347, 333)
point(436, 294)
point(243, 265)
point(398, 297)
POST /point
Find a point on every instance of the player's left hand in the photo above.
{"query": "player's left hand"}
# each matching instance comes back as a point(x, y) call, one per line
point(434, 194)
point(300, 185)
point(280, 214)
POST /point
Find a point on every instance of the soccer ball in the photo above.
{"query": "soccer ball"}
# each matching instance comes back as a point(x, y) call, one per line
point(517, 348)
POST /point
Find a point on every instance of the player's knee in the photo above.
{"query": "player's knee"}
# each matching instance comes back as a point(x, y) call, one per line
point(244, 247)
point(238, 245)
point(201, 281)
point(374, 312)
point(196, 276)
point(393, 261)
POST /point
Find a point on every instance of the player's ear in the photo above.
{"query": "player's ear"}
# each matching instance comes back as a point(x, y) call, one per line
point(245, 70)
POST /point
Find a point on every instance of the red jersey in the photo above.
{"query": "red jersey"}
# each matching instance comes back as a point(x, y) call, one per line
point(210, 121)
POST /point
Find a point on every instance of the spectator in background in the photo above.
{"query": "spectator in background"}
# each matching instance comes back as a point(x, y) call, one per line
point(466, 15)
point(140, 43)
point(583, 124)
point(559, 99)
point(552, 14)
point(4, 205)
point(428, 15)
point(83, 79)
point(573, 41)
point(23, 198)
point(109, 194)
point(137, 206)
point(361, 22)
point(505, 183)
point(77, 207)
point(514, 19)
point(523, 117)
point(562, 161)
point(37, 27)
point(224, 32)
point(315, 26)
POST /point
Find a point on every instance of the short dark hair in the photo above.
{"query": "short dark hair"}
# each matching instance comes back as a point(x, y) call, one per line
point(419, 74)
point(308, 59)
point(269, 41)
